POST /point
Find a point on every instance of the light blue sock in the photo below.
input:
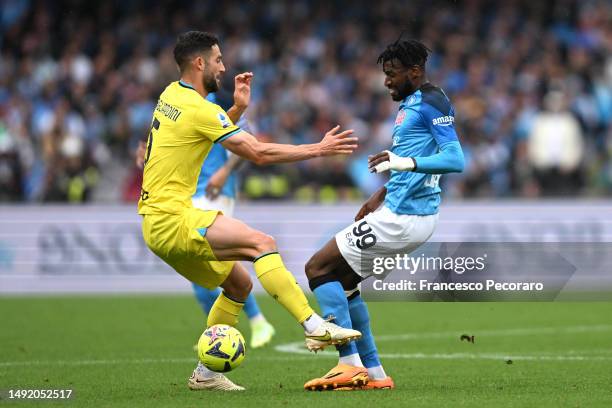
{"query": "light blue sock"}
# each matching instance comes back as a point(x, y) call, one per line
point(361, 321)
point(332, 301)
point(206, 297)
point(251, 308)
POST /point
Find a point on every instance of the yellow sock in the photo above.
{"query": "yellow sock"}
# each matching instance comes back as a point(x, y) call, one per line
point(282, 286)
point(224, 311)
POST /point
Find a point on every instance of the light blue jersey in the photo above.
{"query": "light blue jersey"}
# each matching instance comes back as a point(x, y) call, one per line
point(424, 130)
point(216, 158)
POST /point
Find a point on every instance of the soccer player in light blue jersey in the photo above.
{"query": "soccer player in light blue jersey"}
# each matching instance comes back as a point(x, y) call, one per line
point(216, 189)
point(404, 210)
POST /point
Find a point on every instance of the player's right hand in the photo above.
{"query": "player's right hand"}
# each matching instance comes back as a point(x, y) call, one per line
point(335, 143)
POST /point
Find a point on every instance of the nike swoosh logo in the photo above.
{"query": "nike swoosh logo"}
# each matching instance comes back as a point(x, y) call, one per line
point(325, 337)
point(327, 377)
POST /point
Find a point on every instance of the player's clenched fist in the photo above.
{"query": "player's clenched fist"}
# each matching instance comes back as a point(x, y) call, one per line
point(387, 160)
point(334, 143)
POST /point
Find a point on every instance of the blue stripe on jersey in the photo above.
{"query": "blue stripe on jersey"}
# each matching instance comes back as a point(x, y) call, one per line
point(228, 135)
point(424, 126)
point(216, 158)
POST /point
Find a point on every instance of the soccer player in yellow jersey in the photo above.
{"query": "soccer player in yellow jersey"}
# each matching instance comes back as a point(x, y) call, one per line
point(203, 245)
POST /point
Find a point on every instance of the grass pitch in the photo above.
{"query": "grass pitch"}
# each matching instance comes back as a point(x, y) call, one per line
point(132, 351)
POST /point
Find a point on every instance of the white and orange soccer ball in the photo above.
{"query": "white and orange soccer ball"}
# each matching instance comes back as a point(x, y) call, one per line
point(221, 348)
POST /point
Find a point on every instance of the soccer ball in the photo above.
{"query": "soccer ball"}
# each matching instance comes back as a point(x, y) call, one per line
point(221, 348)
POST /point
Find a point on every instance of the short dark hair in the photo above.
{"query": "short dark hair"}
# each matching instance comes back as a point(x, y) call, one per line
point(408, 52)
point(191, 42)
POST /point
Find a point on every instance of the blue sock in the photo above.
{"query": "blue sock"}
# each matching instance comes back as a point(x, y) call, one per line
point(251, 308)
point(361, 321)
point(332, 301)
point(206, 297)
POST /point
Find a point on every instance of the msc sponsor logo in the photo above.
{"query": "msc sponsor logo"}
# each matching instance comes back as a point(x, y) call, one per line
point(443, 121)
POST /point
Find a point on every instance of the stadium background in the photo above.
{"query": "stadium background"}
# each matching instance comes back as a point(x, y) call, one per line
point(532, 85)
point(78, 82)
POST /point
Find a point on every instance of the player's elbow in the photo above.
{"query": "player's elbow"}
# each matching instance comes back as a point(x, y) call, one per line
point(260, 160)
point(260, 155)
point(456, 162)
point(252, 152)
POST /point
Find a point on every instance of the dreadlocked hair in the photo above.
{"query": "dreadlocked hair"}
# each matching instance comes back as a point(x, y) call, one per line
point(408, 52)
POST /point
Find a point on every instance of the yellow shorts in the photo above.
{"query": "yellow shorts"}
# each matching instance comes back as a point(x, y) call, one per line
point(180, 240)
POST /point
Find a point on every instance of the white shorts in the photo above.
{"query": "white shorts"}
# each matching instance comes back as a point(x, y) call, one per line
point(222, 203)
point(385, 234)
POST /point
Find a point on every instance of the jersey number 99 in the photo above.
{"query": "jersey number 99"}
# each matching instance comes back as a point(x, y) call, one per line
point(366, 237)
point(432, 181)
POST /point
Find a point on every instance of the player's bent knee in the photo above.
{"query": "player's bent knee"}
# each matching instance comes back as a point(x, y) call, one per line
point(263, 243)
point(317, 281)
point(313, 267)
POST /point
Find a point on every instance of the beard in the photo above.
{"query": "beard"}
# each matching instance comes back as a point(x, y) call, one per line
point(210, 83)
point(403, 92)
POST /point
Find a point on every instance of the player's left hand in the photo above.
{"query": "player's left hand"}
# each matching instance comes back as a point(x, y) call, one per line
point(216, 183)
point(387, 160)
point(242, 89)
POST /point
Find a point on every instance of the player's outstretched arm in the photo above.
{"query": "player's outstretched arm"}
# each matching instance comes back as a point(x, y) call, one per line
point(333, 143)
point(448, 160)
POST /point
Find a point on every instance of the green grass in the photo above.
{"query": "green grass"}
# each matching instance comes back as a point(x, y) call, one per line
point(137, 351)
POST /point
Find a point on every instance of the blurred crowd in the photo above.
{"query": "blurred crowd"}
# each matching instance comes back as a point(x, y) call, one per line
point(531, 83)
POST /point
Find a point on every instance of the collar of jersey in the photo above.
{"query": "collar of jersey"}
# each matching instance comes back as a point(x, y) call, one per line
point(185, 85)
point(404, 102)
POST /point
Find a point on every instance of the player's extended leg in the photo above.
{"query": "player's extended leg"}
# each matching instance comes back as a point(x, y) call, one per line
point(231, 239)
point(360, 317)
point(325, 271)
point(325, 265)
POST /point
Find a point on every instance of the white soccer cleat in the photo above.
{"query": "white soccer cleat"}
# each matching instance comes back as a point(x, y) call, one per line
point(328, 334)
point(217, 382)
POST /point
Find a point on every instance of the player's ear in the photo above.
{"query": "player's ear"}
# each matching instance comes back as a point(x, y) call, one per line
point(199, 63)
point(415, 71)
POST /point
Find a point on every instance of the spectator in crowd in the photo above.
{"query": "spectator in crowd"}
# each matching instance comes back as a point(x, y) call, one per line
point(555, 147)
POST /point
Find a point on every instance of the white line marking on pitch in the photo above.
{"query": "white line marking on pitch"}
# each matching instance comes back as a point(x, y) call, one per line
point(299, 352)
point(298, 347)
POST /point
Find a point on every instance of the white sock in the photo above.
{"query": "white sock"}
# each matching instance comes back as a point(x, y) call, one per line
point(204, 372)
point(312, 323)
point(257, 318)
point(352, 360)
point(377, 373)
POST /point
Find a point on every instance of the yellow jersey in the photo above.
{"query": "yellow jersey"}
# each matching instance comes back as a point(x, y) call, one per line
point(184, 127)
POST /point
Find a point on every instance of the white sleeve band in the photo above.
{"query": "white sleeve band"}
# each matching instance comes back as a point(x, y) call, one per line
point(396, 163)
